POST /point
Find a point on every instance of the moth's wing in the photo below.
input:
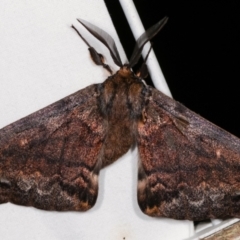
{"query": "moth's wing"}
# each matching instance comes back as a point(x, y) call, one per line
point(189, 168)
point(51, 158)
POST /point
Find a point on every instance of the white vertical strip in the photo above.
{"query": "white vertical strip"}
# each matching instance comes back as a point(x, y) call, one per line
point(137, 29)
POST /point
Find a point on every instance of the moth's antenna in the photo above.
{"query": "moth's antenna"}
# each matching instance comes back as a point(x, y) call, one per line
point(105, 38)
point(143, 71)
point(97, 58)
point(144, 38)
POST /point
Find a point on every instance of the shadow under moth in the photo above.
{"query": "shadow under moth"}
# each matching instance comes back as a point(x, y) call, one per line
point(188, 167)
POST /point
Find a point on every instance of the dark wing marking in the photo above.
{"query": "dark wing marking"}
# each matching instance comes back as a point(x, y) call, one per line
point(105, 38)
point(51, 159)
point(189, 168)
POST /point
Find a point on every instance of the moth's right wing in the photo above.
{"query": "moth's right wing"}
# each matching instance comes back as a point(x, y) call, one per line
point(51, 158)
point(189, 167)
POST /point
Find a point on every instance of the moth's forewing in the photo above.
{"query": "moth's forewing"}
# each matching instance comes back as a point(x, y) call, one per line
point(189, 168)
point(51, 159)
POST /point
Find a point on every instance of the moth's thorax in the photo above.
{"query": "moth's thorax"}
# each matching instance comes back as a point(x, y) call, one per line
point(125, 71)
point(124, 93)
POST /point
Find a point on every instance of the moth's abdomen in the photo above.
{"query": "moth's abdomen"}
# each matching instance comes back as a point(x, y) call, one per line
point(123, 97)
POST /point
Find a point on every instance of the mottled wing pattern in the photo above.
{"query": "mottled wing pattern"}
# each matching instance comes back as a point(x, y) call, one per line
point(51, 159)
point(189, 168)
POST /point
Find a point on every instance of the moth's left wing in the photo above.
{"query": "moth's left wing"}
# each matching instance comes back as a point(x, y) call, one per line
point(51, 159)
point(189, 168)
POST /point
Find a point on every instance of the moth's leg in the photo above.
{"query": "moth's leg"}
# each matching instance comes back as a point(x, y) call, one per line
point(96, 57)
point(143, 71)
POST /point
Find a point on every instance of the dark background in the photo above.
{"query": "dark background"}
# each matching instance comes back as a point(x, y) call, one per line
point(198, 51)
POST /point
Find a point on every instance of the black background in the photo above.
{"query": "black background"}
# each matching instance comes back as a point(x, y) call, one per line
point(198, 51)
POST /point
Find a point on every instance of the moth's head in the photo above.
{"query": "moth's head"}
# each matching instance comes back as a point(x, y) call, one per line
point(125, 71)
point(108, 41)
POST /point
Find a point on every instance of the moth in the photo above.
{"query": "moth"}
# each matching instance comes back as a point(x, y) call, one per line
point(188, 167)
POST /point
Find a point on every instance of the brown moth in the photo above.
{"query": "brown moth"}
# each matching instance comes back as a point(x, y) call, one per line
point(188, 167)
